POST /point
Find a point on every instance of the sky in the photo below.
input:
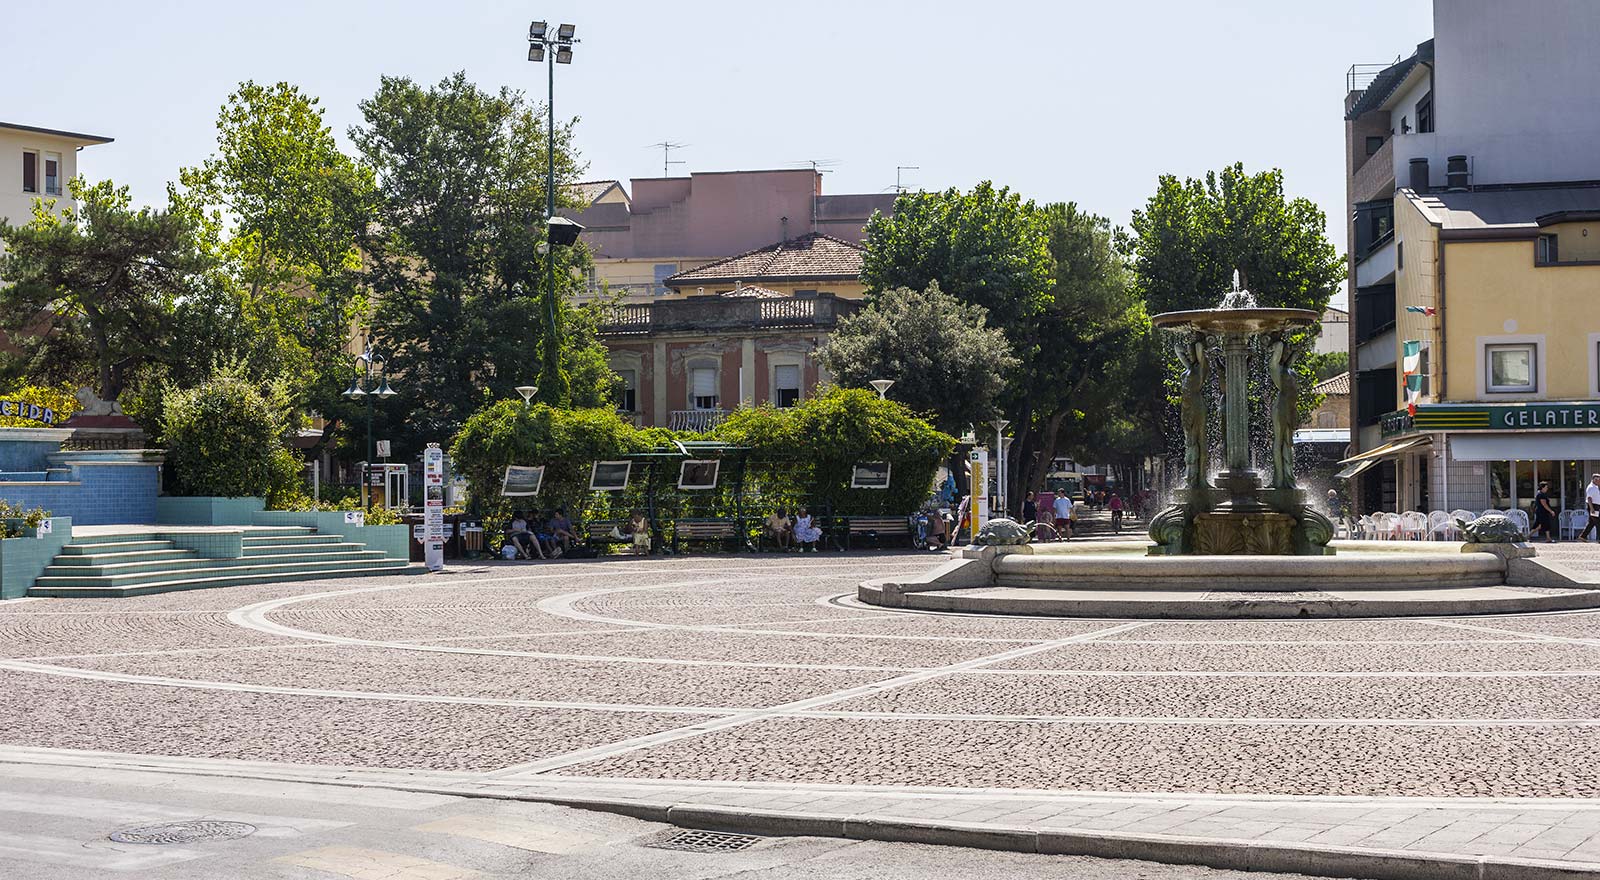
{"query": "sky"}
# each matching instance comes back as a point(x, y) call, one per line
point(1077, 100)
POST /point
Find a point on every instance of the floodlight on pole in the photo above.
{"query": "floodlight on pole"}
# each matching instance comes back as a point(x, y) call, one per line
point(882, 386)
point(553, 49)
point(537, 30)
point(563, 55)
point(564, 32)
point(527, 392)
point(535, 51)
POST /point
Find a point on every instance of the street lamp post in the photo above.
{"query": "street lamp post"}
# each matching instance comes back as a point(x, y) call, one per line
point(1000, 463)
point(367, 362)
point(552, 49)
point(882, 386)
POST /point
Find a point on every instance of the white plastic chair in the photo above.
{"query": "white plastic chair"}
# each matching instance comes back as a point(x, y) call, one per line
point(1440, 528)
point(1413, 525)
point(1387, 525)
point(1520, 517)
point(1571, 523)
point(1363, 527)
point(1493, 510)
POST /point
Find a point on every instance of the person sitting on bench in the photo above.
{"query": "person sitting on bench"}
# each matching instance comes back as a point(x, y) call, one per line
point(781, 529)
point(561, 531)
point(522, 538)
point(805, 530)
point(639, 528)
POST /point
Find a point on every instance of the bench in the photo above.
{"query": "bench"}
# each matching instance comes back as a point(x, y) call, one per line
point(604, 531)
point(877, 528)
point(705, 531)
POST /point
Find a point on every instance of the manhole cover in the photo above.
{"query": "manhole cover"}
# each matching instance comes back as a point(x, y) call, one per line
point(705, 841)
point(184, 832)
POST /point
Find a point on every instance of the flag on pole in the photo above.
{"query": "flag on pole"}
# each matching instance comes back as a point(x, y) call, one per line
point(1411, 355)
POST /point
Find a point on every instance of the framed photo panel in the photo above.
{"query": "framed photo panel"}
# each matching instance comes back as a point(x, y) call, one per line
point(610, 476)
point(699, 474)
point(519, 481)
point(870, 475)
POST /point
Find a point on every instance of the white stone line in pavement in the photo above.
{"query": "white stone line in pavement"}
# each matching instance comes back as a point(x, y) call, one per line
point(240, 687)
point(1402, 673)
point(1342, 643)
point(1538, 637)
point(635, 743)
point(729, 711)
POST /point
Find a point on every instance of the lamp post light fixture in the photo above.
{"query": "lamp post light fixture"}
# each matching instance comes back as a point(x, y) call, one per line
point(553, 49)
point(882, 386)
point(1000, 463)
point(527, 392)
point(368, 362)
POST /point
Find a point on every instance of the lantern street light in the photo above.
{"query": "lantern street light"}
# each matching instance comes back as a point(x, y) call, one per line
point(552, 49)
point(369, 362)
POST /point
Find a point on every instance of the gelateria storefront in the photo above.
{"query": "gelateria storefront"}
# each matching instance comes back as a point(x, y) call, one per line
point(1482, 456)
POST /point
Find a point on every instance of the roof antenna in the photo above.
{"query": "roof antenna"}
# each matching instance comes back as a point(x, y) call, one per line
point(817, 167)
point(898, 186)
point(666, 156)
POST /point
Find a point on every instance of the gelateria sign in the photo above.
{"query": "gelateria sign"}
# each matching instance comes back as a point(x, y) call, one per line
point(33, 412)
point(1494, 417)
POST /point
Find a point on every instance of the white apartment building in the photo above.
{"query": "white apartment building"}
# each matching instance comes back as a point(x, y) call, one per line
point(36, 163)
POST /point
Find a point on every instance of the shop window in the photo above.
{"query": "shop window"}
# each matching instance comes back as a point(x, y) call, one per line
point(628, 391)
point(1512, 368)
point(786, 385)
point(703, 388)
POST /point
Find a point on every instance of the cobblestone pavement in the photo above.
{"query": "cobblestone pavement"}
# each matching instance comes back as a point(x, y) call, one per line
point(756, 682)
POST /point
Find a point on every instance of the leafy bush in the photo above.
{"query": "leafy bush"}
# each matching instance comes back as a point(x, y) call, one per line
point(224, 438)
point(566, 441)
point(14, 519)
point(56, 397)
point(826, 436)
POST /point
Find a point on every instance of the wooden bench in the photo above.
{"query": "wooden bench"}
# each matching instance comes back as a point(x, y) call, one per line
point(705, 531)
point(604, 531)
point(877, 528)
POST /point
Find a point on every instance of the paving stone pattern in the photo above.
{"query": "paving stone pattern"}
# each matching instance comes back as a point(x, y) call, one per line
point(757, 682)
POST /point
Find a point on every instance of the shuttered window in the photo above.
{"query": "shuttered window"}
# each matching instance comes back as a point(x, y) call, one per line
point(786, 385)
point(703, 387)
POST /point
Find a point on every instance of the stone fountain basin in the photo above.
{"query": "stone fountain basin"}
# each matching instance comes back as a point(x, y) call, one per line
point(1117, 580)
point(1235, 320)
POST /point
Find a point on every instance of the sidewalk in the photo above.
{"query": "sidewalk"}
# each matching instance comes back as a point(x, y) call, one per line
point(1525, 838)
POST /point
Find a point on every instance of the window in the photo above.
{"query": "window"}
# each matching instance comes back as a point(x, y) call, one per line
point(786, 385)
point(52, 173)
point(663, 271)
point(1399, 255)
point(1545, 250)
point(1425, 114)
point(1424, 370)
point(703, 388)
point(1374, 144)
point(1511, 368)
point(30, 171)
point(1405, 127)
point(628, 392)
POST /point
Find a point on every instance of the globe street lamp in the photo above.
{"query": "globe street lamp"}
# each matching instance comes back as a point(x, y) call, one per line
point(367, 363)
point(553, 49)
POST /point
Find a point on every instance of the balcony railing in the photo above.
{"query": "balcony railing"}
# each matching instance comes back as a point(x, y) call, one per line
point(697, 420)
point(712, 313)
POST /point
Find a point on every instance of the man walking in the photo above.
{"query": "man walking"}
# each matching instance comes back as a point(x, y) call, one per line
point(1591, 501)
point(1063, 511)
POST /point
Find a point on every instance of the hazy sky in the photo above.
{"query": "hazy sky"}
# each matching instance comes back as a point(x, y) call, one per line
point(1087, 101)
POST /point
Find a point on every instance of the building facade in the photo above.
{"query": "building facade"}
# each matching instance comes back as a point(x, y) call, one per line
point(670, 225)
point(38, 163)
point(1474, 191)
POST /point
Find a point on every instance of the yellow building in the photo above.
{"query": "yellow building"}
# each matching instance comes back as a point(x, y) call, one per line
point(1497, 296)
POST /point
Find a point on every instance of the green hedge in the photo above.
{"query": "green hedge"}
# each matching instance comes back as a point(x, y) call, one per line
point(224, 438)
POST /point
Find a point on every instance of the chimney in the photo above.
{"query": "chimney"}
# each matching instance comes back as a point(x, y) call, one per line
point(1419, 175)
point(1456, 174)
point(784, 221)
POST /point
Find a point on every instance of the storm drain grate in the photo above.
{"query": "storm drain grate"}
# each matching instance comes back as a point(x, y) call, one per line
point(705, 841)
point(196, 831)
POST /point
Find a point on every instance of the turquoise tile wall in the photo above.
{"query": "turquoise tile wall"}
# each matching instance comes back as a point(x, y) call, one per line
point(23, 559)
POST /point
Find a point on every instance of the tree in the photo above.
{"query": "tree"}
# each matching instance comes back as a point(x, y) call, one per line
point(1193, 234)
point(224, 438)
point(1328, 364)
point(944, 359)
point(93, 291)
point(1075, 389)
point(454, 257)
point(987, 247)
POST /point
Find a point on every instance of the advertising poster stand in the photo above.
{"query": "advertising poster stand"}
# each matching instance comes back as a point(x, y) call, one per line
point(433, 507)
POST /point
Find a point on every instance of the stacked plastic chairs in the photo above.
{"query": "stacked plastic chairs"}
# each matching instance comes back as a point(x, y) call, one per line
point(1440, 528)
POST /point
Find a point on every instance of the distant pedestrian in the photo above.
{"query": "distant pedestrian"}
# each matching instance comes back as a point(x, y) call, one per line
point(1030, 509)
point(1543, 515)
point(1063, 512)
point(1591, 502)
point(1115, 505)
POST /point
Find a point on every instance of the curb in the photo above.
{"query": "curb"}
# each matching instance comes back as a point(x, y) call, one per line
point(1355, 863)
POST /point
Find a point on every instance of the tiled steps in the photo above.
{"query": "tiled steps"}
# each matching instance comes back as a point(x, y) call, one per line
point(131, 565)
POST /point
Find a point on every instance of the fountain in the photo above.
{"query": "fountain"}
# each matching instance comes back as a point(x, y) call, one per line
point(1242, 543)
point(1237, 515)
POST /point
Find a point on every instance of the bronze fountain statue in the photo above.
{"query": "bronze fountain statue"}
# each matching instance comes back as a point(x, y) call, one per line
point(1236, 514)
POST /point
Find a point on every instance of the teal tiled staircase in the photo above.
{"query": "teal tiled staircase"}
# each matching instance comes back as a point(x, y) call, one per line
point(132, 564)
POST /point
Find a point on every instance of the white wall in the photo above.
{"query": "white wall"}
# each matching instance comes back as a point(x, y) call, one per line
point(1517, 88)
point(16, 206)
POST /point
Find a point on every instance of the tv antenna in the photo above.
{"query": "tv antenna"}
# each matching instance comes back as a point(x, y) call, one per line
point(898, 186)
point(666, 156)
point(821, 166)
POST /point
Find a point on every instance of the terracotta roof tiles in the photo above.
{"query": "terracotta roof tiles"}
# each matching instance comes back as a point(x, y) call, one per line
point(814, 256)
